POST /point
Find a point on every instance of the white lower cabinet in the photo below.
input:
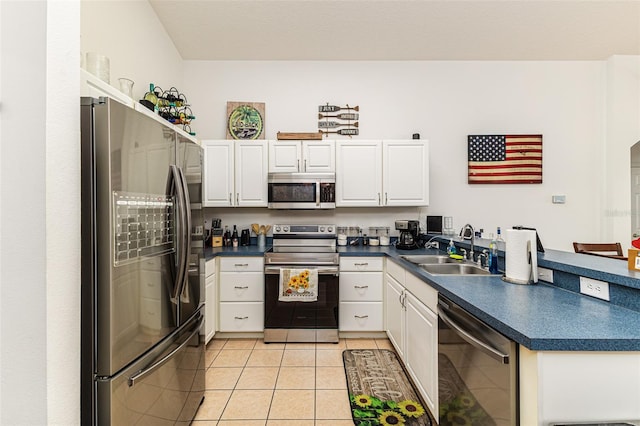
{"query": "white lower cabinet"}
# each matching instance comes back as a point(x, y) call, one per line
point(412, 327)
point(210, 300)
point(241, 294)
point(421, 348)
point(361, 294)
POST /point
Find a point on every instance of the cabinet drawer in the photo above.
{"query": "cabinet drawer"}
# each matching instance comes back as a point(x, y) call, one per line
point(396, 271)
point(423, 291)
point(242, 316)
point(361, 316)
point(241, 287)
point(242, 264)
point(361, 286)
point(361, 263)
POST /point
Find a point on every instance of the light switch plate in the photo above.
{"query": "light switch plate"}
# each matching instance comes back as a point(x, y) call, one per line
point(545, 274)
point(558, 199)
point(595, 288)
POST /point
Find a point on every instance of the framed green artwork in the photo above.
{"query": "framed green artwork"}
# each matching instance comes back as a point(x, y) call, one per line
point(245, 120)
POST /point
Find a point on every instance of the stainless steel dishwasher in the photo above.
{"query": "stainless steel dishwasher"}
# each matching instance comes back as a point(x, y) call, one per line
point(477, 371)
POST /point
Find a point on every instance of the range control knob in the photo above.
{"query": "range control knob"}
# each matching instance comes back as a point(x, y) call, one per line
point(330, 229)
point(277, 229)
point(322, 229)
point(285, 229)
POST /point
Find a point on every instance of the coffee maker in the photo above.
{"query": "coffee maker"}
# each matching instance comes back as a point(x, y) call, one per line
point(409, 234)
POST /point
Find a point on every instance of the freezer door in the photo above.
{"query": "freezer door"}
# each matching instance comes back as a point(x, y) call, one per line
point(189, 161)
point(164, 388)
point(135, 235)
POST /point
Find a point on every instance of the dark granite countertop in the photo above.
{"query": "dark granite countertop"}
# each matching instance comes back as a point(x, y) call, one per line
point(541, 317)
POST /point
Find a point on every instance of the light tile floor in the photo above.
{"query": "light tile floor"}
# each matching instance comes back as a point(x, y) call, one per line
point(250, 382)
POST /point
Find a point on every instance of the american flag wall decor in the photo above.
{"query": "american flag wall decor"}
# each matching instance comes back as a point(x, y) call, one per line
point(505, 159)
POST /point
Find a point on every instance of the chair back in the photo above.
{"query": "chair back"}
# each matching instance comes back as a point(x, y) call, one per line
point(600, 249)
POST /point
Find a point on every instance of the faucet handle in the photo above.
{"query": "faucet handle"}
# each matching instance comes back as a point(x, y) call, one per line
point(464, 253)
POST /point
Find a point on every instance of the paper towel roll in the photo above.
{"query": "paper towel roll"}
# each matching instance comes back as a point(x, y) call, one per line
point(521, 263)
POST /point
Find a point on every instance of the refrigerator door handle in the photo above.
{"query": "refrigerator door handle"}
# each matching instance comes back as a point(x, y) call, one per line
point(150, 369)
point(176, 187)
point(187, 230)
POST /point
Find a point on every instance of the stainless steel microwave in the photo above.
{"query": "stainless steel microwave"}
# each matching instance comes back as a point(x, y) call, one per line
point(302, 190)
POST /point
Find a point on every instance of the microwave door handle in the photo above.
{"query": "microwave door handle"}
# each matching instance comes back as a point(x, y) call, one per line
point(493, 353)
point(318, 194)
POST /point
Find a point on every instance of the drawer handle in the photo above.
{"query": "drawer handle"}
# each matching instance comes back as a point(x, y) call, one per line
point(361, 316)
point(241, 287)
point(360, 286)
point(361, 264)
point(241, 264)
point(241, 318)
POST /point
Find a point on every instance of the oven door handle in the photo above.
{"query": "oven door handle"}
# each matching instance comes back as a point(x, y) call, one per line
point(492, 352)
point(329, 270)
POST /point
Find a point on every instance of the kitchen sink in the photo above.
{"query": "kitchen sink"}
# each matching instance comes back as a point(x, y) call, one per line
point(455, 269)
point(429, 259)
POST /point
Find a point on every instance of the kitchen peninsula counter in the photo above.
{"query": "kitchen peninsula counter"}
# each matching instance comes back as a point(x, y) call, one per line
point(540, 317)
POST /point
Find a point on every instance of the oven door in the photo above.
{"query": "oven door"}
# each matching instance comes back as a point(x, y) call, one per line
point(321, 314)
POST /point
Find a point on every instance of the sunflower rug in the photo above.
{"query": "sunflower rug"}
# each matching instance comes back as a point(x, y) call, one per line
point(380, 392)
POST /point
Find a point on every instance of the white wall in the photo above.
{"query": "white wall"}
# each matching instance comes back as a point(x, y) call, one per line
point(622, 132)
point(444, 102)
point(130, 34)
point(39, 248)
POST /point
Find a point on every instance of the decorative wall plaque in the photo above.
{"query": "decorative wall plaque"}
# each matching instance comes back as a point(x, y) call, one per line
point(335, 121)
point(245, 120)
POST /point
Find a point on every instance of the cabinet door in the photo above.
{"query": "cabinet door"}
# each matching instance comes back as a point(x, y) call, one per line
point(421, 353)
point(319, 156)
point(210, 308)
point(251, 173)
point(394, 313)
point(361, 316)
point(405, 173)
point(358, 173)
point(284, 156)
point(218, 174)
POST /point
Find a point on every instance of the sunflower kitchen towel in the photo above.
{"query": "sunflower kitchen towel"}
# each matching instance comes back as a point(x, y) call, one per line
point(298, 285)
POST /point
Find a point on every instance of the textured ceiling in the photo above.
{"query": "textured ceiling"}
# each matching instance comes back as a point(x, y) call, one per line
point(401, 29)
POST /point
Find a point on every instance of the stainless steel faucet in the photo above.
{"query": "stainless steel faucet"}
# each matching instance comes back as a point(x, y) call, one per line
point(469, 236)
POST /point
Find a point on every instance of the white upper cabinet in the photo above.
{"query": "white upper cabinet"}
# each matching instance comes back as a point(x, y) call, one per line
point(382, 173)
point(302, 156)
point(405, 166)
point(235, 173)
point(358, 173)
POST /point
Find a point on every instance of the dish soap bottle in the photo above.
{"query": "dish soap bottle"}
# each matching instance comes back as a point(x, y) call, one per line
point(451, 248)
point(493, 256)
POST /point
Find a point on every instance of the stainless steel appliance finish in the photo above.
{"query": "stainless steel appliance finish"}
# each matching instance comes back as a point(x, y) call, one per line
point(409, 230)
point(301, 190)
point(477, 364)
point(142, 269)
point(302, 246)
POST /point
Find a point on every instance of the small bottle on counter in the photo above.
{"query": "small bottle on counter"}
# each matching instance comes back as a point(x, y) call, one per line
point(234, 237)
point(493, 256)
point(499, 235)
point(226, 238)
point(451, 248)
point(365, 240)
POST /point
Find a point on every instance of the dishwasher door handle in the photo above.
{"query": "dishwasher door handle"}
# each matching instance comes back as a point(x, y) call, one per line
point(492, 352)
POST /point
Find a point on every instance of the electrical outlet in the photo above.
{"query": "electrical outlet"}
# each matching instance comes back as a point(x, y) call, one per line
point(595, 288)
point(545, 274)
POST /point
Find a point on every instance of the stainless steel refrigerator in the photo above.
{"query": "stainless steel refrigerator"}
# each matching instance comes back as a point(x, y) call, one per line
point(142, 358)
